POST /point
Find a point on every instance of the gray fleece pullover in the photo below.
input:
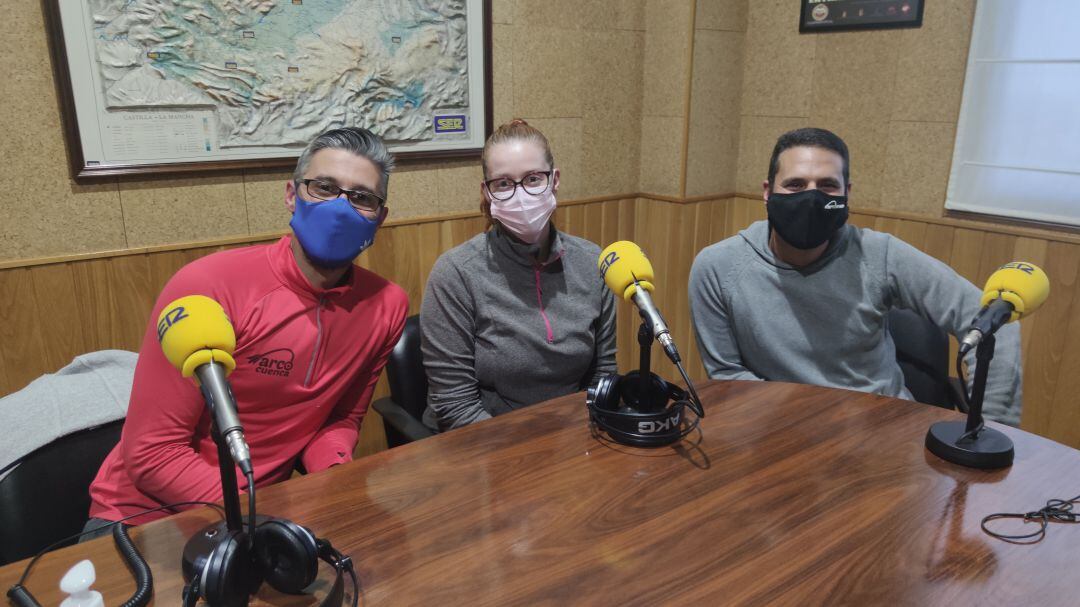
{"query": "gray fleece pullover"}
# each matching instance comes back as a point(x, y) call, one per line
point(756, 317)
point(500, 332)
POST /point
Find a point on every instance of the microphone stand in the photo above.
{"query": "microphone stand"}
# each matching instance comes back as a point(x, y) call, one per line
point(644, 340)
point(649, 396)
point(230, 490)
point(970, 443)
point(198, 548)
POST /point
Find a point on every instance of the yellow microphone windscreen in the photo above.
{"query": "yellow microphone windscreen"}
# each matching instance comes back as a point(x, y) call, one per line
point(194, 330)
point(623, 262)
point(1022, 284)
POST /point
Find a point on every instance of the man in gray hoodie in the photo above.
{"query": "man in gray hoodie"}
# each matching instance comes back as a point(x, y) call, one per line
point(804, 296)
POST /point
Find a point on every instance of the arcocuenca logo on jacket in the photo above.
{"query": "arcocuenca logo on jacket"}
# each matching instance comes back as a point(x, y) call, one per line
point(277, 362)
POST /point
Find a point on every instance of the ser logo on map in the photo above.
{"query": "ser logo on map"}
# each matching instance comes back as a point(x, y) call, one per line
point(450, 124)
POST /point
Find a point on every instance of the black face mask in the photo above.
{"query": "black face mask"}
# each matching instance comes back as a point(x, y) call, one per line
point(806, 219)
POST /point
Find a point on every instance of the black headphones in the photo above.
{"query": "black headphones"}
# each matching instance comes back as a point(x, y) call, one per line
point(653, 419)
point(285, 555)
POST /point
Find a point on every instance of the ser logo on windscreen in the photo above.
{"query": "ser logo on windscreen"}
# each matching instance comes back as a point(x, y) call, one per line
point(611, 258)
point(169, 319)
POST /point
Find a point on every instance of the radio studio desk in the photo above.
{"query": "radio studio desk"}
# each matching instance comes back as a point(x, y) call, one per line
point(789, 495)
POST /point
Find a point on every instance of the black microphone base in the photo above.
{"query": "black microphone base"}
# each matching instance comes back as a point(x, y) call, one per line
point(199, 546)
point(990, 449)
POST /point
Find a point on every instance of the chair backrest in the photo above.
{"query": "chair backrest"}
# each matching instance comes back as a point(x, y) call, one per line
point(47, 496)
point(922, 350)
point(406, 376)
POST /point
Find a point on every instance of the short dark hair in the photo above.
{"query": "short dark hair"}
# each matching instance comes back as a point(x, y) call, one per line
point(808, 137)
point(357, 140)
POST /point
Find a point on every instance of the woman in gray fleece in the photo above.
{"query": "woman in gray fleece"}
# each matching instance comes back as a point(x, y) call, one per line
point(518, 314)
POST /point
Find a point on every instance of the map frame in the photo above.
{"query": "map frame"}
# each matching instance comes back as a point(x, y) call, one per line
point(480, 111)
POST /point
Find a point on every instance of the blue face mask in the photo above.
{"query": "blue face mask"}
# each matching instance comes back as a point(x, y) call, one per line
point(332, 233)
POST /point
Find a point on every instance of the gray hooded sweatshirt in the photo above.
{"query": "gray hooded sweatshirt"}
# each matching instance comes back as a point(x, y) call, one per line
point(756, 317)
point(500, 331)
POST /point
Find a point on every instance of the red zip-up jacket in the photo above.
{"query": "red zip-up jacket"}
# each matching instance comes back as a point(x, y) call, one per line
point(307, 360)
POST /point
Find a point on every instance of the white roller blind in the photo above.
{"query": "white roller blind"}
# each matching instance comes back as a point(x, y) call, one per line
point(1017, 150)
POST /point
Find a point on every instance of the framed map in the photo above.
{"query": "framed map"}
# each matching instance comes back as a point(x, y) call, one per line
point(162, 86)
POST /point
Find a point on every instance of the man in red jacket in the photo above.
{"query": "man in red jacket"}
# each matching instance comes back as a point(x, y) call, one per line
point(313, 333)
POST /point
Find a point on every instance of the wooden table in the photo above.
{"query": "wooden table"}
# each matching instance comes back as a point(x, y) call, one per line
point(790, 495)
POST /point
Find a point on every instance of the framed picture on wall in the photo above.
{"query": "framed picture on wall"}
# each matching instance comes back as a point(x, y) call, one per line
point(845, 15)
point(166, 86)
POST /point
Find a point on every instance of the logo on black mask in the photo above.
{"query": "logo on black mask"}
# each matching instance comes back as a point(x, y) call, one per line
point(277, 362)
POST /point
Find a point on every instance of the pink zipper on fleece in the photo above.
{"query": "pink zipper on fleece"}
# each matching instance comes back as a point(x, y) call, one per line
point(540, 301)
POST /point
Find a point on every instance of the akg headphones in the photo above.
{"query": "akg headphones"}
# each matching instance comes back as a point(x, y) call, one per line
point(285, 555)
point(654, 419)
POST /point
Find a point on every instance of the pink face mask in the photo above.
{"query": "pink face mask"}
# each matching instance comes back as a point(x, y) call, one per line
point(525, 215)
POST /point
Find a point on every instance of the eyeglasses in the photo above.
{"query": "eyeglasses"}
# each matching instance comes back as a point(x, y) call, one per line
point(361, 200)
point(503, 188)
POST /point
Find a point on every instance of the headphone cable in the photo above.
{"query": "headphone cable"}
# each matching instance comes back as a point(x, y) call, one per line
point(1055, 511)
point(26, 572)
point(966, 400)
point(144, 579)
point(964, 397)
point(251, 508)
point(694, 402)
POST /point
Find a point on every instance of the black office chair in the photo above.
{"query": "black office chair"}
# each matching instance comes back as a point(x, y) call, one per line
point(47, 495)
point(404, 409)
point(922, 349)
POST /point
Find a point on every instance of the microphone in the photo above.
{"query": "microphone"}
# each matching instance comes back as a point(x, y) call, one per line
point(629, 274)
point(198, 339)
point(1013, 291)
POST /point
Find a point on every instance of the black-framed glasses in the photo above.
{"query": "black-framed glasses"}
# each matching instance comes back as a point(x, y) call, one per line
point(503, 188)
point(361, 200)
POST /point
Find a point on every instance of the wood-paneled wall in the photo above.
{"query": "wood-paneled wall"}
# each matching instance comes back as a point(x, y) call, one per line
point(51, 312)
